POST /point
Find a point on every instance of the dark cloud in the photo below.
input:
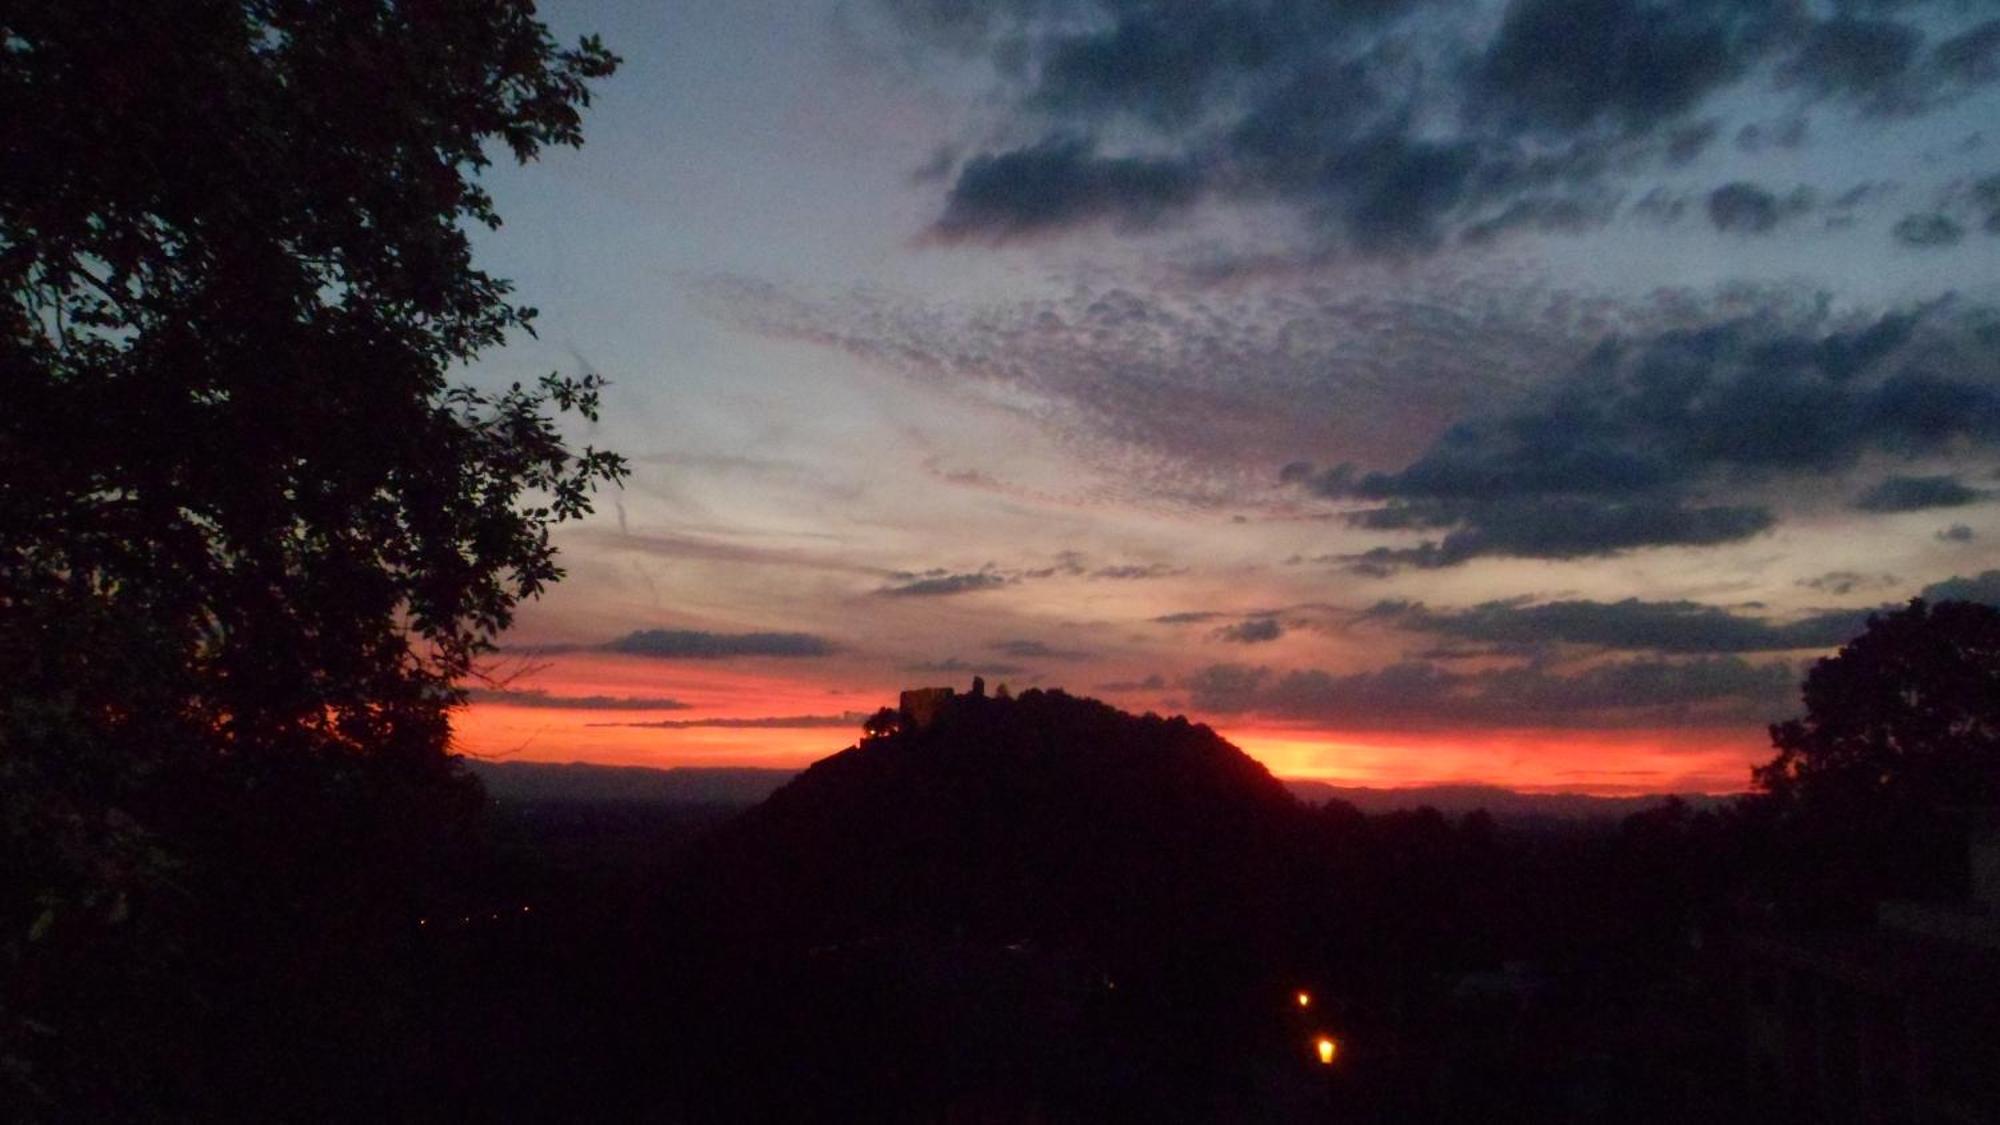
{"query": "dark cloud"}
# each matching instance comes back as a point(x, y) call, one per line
point(1971, 58)
point(1986, 194)
point(1256, 630)
point(1137, 570)
point(1549, 213)
point(761, 722)
point(1677, 627)
point(1059, 182)
point(688, 644)
point(943, 581)
point(1192, 617)
point(1392, 192)
point(1744, 208)
point(1857, 57)
point(1620, 455)
point(938, 585)
point(1025, 649)
point(1162, 66)
point(574, 702)
point(1757, 136)
point(1567, 64)
point(1840, 583)
point(1556, 528)
point(954, 666)
point(1154, 682)
point(1929, 229)
point(942, 161)
point(1956, 533)
point(1690, 141)
point(1983, 587)
point(1392, 133)
point(1069, 563)
point(1715, 690)
point(1911, 494)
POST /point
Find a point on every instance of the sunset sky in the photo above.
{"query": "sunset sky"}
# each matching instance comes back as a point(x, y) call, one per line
point(1414, 390)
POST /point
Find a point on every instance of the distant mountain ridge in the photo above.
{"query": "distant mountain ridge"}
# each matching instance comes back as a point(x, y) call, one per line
point(586, 782)
point(746, 786)
point(1045, 816)
point(1502, 803)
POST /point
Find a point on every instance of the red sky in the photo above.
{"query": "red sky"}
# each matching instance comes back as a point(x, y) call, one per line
point(1698, 759)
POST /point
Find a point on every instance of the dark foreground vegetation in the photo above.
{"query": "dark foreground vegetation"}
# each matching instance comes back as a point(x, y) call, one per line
point(1030, 909)
point(1044, 909)
point(254, 539)
point(1036, 908)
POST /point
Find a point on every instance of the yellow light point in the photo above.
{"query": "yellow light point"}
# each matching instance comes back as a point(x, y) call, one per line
point(1305, 999)
point(1327, 1049)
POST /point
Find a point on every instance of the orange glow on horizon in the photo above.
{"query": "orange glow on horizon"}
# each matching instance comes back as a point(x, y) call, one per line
point(1599, 762)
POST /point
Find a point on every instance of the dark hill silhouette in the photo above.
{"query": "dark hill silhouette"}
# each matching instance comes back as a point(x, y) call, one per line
point(1047, 817)
point(1090, 897)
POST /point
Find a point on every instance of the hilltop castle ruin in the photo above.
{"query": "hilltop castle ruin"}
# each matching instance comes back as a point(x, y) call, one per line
point(922, 706)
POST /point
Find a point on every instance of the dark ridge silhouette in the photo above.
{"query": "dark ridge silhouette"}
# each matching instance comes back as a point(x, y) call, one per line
point(582, 782)
point(1047, 816)
point(1503, 804)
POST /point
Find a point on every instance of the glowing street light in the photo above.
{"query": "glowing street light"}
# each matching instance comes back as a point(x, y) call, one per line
point(1305, 999)
point(1327, 1049)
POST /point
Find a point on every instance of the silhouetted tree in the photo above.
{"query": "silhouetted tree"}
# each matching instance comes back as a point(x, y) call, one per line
point(1909, 710)
point(251, 533)
point(882, 723)
point(1902, 727)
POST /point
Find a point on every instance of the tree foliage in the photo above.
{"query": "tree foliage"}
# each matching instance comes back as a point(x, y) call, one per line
point(1900, 740)
point(252, 529)
point(1907, 712)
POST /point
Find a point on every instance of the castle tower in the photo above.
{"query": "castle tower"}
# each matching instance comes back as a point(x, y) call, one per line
point(922, 706)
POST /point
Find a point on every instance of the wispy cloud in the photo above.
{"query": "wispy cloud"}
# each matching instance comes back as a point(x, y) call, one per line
point(532, 698)
point(1913, 494)
point(1031, 650)
point(939, 584)
point(694, 644)
point(1712, 690)
point(954, 666)
point(1191, 393)
point(1256, 630)
point(761, 722)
